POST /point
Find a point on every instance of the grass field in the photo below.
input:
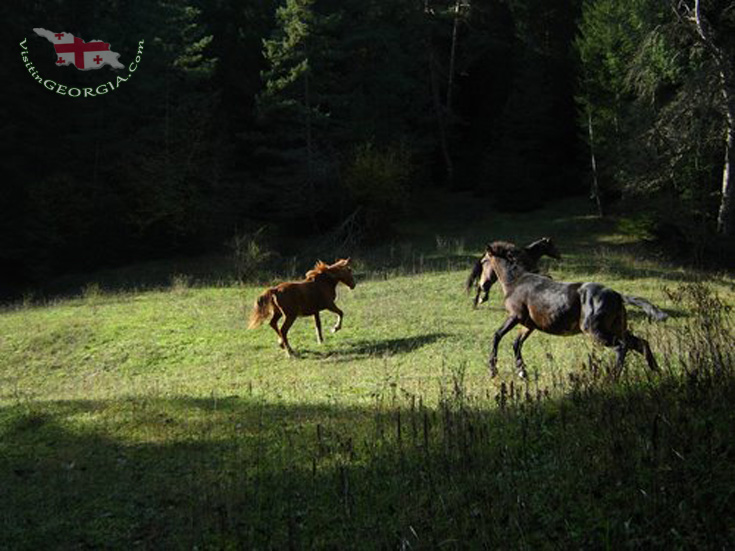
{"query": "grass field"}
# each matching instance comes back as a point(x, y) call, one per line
point(154, 419)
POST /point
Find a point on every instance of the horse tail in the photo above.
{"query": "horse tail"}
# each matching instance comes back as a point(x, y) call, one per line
point(651, 310)
point(261, 309)
point(474, 275)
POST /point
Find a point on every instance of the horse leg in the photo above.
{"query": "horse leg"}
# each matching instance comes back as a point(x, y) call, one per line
point(517, 345)
point(340, 314)
point(477, 300)
point(318, 323)
point(274, 325)
point(485, 292)
point(609, 339)
point(642, 347)
point(605, 322)
point(284, 335)
point(622, 350)
point(486, 285)
point(508, 324)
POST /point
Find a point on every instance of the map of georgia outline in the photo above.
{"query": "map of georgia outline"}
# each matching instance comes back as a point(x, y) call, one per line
point(85, 56)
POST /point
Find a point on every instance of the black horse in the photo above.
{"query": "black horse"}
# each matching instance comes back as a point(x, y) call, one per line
point(537, 302)
point(528, 257)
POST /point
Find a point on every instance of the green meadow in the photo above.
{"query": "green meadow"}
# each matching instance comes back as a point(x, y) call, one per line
point(149, 417)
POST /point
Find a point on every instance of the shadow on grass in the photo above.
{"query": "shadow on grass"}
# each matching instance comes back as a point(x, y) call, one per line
point(629, 464)
point(385, 347)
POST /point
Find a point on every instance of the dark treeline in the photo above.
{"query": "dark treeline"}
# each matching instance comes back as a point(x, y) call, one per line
point(300, 113)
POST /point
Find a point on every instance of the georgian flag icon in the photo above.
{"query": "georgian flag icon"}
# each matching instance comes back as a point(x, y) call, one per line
point(71, 50)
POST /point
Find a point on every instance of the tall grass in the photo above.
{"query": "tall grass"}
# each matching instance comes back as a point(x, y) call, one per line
point(645, 462)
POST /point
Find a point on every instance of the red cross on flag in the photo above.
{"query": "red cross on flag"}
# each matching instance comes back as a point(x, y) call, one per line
point(71, 50)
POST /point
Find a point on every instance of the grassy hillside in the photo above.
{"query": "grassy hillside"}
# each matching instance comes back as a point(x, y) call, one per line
point(154, 418)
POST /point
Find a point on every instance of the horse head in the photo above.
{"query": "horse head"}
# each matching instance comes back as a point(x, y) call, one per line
point(342, 270)
point(504, 250)
point(550, 248)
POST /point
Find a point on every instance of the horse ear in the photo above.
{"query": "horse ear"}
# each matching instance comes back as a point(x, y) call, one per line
point(490, 249)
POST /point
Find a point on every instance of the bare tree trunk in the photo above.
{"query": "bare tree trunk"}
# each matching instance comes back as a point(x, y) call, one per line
point(595, 183)
point(440, 118)
point(308, 133)
point(726, 215)
point(311, 198)
point(166, 129)
point(452, 57)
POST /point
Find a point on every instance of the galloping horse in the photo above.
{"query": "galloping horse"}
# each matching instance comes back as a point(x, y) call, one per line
point(529, 258)
point(303, 298)
point(557, 308)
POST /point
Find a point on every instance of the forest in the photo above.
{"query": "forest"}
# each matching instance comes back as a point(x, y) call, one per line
point(298, 115)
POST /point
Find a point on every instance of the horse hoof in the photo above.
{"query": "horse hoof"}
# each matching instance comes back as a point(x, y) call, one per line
point(522, 373)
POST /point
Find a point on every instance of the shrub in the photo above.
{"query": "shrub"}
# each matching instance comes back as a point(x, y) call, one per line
point(251, 254)
point(379, 182)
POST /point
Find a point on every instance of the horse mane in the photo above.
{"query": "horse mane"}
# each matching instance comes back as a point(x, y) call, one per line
point(319, 268)
point(324, 268)
point(504, 249)
point(537, 243)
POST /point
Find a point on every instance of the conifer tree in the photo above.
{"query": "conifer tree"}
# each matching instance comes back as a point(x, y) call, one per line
point(293, 110)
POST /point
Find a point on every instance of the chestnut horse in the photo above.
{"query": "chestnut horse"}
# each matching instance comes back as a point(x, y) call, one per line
point(557, 308)
point(529, 258)
point(303, 298)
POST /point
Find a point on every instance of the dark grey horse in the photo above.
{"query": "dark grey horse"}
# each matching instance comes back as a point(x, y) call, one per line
point(557, 308)
point(529, 258)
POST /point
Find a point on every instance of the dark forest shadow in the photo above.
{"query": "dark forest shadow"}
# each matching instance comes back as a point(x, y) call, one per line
point(244, 473)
